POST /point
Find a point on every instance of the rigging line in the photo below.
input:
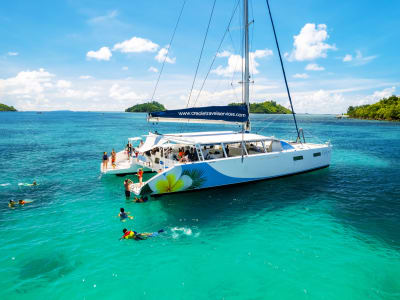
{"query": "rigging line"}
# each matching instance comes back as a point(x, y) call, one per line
point(283, 70)
point(169, 46)
point(219, 47)
point(269, 124)
point(201, 53)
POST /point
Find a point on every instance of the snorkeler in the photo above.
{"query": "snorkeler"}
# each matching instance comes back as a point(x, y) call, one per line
point(124, 215)
point(133, 235)
point(141, 199)
point(12, 204)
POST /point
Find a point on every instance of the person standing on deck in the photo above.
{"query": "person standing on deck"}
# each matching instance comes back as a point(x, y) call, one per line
point(105, 161)
point(140, 175)
point(127, 150)
point(127, 185)
point(130, 149)
point(113, 158)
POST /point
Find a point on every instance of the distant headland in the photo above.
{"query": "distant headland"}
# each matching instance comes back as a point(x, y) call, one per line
point(386, 109)
point(4, 107)
point(146, 107)
point(266, 107)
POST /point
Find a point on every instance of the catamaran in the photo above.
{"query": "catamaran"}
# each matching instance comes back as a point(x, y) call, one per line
point(191, 161)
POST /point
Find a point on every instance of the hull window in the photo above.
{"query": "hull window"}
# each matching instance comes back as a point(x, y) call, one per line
point(300, 157)
point(317, 154)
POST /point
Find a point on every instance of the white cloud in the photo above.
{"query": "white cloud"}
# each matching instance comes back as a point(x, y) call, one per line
point(301, 75)
point(359, 59)
point(161, 56)
point(85, 77)
point(63, 84)
point(111, 15)
point(385, 93)
point(314, 67)
point(26, 83)
point(153, 69)
point(310, 44)
point(347, 57)
point(12, 53)
point(224, 53)
point(136, 45)
point(125, 68)
point(124, 93)
point(103, 53)
point(320, 101)
point(235, 62)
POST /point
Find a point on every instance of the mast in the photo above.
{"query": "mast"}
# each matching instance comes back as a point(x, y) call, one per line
point(246, 79)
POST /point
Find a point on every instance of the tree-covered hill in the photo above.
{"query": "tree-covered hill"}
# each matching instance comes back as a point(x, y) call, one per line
point(4, 107)
point(266, 107)
point(385, 109)
point(146, 107)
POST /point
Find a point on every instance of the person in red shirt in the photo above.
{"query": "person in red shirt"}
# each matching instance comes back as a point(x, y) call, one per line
point(140, 175)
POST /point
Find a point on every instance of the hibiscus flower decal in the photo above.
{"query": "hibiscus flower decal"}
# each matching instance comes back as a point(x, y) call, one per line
point(172, 181)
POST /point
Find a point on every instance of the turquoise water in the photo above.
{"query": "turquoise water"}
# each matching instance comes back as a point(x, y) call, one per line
point(330, 234)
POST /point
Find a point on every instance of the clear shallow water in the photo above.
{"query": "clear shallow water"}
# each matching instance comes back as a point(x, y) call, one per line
point(330, 234)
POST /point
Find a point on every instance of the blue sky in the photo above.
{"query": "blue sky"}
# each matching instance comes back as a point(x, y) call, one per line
point(106, 55)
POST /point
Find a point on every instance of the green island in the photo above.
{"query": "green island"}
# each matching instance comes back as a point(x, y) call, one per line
point(266, 107)
point(4, 107)
point(146, 107)
point(386, 109)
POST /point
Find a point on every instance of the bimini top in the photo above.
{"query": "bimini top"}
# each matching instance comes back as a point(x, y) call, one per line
point(205, 138)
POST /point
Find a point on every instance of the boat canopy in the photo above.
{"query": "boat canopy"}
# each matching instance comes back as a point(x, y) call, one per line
point(211, 138)
point(152, 140)
point(237, 114)
point(205, 138)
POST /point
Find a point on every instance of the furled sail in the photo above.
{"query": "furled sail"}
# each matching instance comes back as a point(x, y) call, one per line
point(237, 114)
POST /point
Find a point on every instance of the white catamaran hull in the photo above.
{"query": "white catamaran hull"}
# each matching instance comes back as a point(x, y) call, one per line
point(234, 170)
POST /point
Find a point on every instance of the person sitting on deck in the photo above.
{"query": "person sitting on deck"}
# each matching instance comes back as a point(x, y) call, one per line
point(227, 150)
point(192, 155)
point(185, 157)
point(181, 153)
point(124, 215)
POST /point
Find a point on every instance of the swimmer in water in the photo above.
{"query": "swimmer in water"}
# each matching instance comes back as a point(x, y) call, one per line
point(23, 202)
point(34, 183)
point(141, 199)
point(12, 204)
point(124, 215)
point(133, 235)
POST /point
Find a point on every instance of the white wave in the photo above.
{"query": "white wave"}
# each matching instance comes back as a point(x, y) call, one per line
point(183, 231)
point(4, 184)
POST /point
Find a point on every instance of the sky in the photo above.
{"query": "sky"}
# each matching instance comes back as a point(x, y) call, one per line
point(86, 55)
